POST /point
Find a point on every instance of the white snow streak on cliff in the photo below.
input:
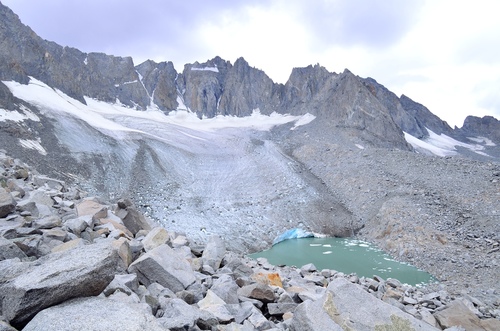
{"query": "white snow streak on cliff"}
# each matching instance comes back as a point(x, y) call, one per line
point(12, 115)
point(440, 145)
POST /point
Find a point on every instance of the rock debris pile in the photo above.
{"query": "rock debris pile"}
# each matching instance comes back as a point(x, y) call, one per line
point(70, 262)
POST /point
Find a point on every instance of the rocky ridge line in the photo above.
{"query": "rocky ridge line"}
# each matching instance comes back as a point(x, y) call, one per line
point(214, 87)
point(107, 266)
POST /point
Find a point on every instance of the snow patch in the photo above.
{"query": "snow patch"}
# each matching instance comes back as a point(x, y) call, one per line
point(15, 116)
point(213, 69)
point(33, 144)
point(482, 140)
point(359, 146)
point(86, 61)
point(181, 106)
point(48, 99)
point(303, 120)
point(440, 145)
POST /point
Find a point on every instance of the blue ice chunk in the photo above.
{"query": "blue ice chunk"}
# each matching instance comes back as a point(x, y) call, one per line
point(292, 234)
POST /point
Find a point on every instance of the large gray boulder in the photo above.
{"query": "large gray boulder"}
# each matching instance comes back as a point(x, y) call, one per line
point(457, 313)
point(226, 288)
point(309, 317)
point(214, 252)
point(7, 203)
point(350, 307)
point(97, 314)
point(132, 219)
point(59, 277)
point(178, 315)
point(164, 266)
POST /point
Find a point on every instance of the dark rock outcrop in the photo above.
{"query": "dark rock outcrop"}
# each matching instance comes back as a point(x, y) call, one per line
point(424, 117)
point(486, 126)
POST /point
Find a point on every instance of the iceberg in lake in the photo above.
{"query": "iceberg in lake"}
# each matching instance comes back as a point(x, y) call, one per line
point(293, 234)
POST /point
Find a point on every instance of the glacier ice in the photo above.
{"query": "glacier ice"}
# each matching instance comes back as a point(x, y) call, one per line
point(292, 234)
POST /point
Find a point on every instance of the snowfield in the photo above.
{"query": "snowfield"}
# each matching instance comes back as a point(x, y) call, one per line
point(443, 145)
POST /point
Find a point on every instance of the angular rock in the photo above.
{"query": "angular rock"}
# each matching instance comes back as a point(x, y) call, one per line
point(178, 315)
point(33, 246)
point(78, 225)
point(69, 245)
point(55, 233)
point(51, 183)
point(41, 197)
point(247, 326)
point(187, 296)
point(257, 291)
point(214, 252)
point(125, 283)
point(28, 206)
point(225, 287)
point(163, 265)
point(97, 314)
point(268, 278)
point(490, 324)
point(456, 313)
point(179, 241)
point(280, 308)
point(133, 220)
point(428, 318)
point(122, 246)
point(308, 268)
point(10, 269)
point(56, 278)
point(47, 222)
point(351, 307)
point(259, 321)
point(308, 316)
point(307, 292)
point(117, 226)
point(156, 237)
point(216, 306)
point(92, 208)
point(7, 203)
point(126, 298)
point(9, 250)
point(241, 311)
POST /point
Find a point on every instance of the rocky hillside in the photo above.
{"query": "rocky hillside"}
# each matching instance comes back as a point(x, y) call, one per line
point(109, 268)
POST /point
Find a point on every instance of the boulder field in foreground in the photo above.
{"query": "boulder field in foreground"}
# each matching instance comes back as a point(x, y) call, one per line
point(74, 263)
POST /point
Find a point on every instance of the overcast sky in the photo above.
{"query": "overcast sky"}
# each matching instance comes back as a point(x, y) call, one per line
point(444, 54)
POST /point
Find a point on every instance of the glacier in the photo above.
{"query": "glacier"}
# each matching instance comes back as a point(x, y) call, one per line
point(293, 234)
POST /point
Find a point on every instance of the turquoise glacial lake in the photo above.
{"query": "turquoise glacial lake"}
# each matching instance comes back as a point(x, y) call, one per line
point(345, 255)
